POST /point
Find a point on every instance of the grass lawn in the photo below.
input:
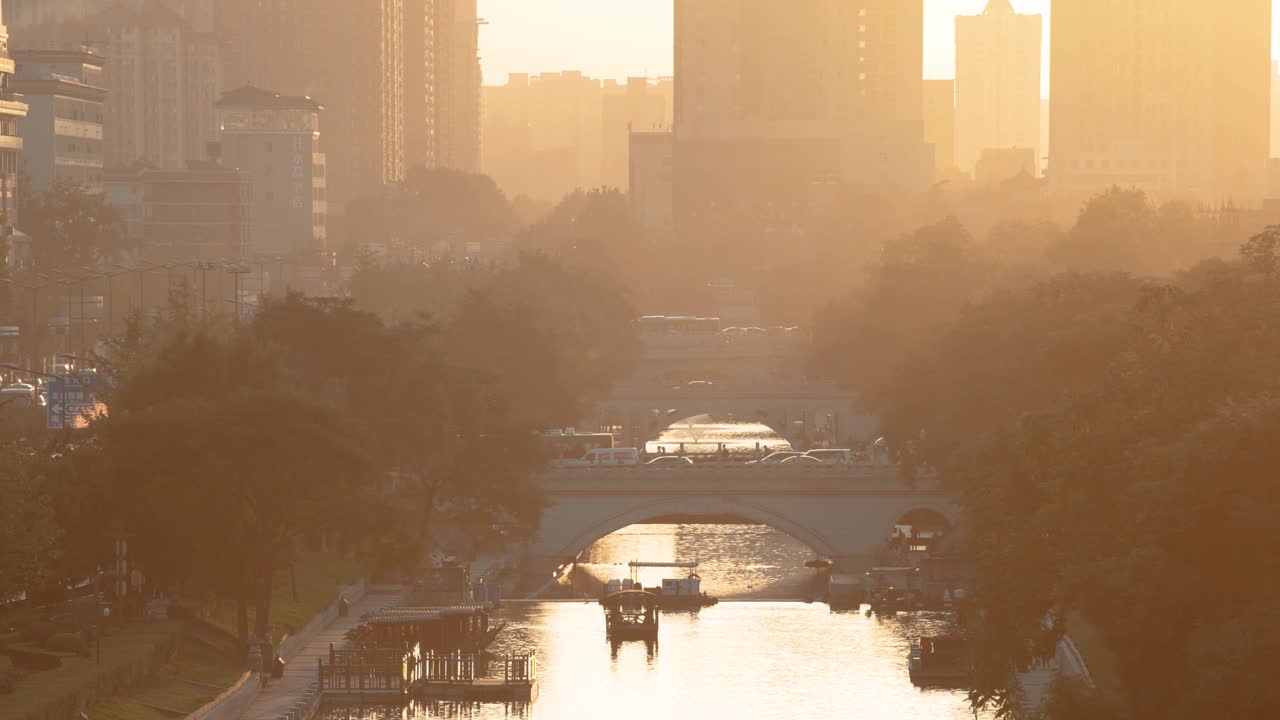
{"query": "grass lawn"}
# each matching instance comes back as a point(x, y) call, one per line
point(1102, 662)
point(169, 688)
point(124, 646)
point(320, 576)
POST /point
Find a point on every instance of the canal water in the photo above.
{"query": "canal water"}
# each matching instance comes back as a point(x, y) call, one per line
point(701, 434)
point(756, 655)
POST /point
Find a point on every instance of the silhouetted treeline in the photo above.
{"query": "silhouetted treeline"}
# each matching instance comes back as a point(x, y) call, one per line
point(1112, 432)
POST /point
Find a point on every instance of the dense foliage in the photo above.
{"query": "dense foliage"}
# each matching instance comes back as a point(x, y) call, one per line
point(1113, 438)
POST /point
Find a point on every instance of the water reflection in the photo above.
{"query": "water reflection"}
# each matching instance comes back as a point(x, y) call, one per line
point(702, 435)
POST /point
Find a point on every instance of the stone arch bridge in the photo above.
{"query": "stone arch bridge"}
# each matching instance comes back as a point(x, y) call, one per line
point(842, 512)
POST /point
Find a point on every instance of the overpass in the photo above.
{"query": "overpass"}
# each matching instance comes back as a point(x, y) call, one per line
point(843, 513)
point(638, 412)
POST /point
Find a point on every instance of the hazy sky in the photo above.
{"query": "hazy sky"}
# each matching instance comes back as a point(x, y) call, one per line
point(618, 38)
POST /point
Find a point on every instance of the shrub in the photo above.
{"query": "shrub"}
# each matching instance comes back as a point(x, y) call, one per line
point(39, 631)
point(66, 643)
point(33, 659)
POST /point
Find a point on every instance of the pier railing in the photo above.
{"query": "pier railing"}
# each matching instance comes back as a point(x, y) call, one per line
point(363, 672)
point(460, 669)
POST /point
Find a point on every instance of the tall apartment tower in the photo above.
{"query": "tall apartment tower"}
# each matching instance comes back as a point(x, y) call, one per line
point(772, 96)
point(1170, 96)
point(457, 78)
point(997, 82)
point(162, 74)
point(419, 83)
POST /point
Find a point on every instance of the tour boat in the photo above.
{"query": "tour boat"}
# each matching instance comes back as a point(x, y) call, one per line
point(938, 662)
point(631, 615)
point(675, 593)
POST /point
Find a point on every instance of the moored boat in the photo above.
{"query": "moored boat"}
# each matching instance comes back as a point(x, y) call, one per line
point(675, 593)
point(631, 615)
point(941, 661)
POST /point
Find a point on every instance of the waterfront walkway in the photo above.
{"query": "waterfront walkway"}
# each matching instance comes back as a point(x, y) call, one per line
point(281, 696)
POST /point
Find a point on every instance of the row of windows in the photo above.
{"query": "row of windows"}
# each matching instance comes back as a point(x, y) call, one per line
point(73, 109)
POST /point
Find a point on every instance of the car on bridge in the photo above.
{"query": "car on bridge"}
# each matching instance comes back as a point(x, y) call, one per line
point(670, 461)
point(803, 460)
point(832, 456)
point(775, 458)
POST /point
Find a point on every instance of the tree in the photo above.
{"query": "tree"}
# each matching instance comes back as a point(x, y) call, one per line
point(29, 533)
point(72, 228)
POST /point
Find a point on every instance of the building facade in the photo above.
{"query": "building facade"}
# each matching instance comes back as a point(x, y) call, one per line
point(940, 124)
point(201, 212)
point(274, 142)
point(771, 96)
point(638, 105)
point(1169, 96)
point(162, 74)
point(998, 63)
point(12, 110)
point(62, 133)
point(650, 179)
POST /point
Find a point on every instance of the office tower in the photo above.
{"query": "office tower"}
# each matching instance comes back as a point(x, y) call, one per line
point(771, 96)
point(419, 83)
point(161, 74)
point(940, 123)
point(997, 82)
point(274, 141)
point(62, 132)
point(1275, 109)
point(1170, 96)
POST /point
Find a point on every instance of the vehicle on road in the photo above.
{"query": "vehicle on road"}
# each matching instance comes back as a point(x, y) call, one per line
point(670, 460)
point(803, 460)
point(775, 458)
point(612, 456)
point(834, 456)
point(19, 395)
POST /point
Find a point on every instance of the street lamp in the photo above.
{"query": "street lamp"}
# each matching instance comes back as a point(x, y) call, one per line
point(33, 346)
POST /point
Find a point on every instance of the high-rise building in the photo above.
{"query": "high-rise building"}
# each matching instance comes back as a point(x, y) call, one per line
point(12, 109)
point(354, 60)
point(1170, 96)
point(62, 132)
point(457, 78)
point(419, 83)
point(771, 96)
point(161, 76)
point(637, 105)
point(542, 134)
point(997, 82)
point(940, 123)
point(1275, 109)
point(274, 141)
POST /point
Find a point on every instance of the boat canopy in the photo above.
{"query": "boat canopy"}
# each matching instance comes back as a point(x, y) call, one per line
point(639, 563)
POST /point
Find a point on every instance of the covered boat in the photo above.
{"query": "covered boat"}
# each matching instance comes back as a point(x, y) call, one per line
point(941, 661)
point(631, 614)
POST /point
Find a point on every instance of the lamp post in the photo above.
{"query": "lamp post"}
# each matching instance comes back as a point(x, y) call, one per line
point(33, 345)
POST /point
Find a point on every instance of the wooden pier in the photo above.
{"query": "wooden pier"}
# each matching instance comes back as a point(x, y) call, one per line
point(390, 676)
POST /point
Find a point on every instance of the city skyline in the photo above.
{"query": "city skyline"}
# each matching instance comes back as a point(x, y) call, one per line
point(633, 37)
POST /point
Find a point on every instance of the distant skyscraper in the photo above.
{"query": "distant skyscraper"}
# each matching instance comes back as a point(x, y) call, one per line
point(1171, 96)
point(419, 83)
point(1275, 109)
point(940, 123)
point(161, 75)
point(771, 96)
point(457, 85)
point(355, 61)
point(997, 82)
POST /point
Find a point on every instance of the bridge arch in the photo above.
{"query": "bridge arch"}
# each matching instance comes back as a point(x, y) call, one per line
point(693, 507)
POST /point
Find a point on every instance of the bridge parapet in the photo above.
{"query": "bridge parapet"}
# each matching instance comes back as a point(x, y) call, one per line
point(734, 479)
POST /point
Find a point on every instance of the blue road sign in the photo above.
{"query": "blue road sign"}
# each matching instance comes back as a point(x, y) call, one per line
point(71, 397)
